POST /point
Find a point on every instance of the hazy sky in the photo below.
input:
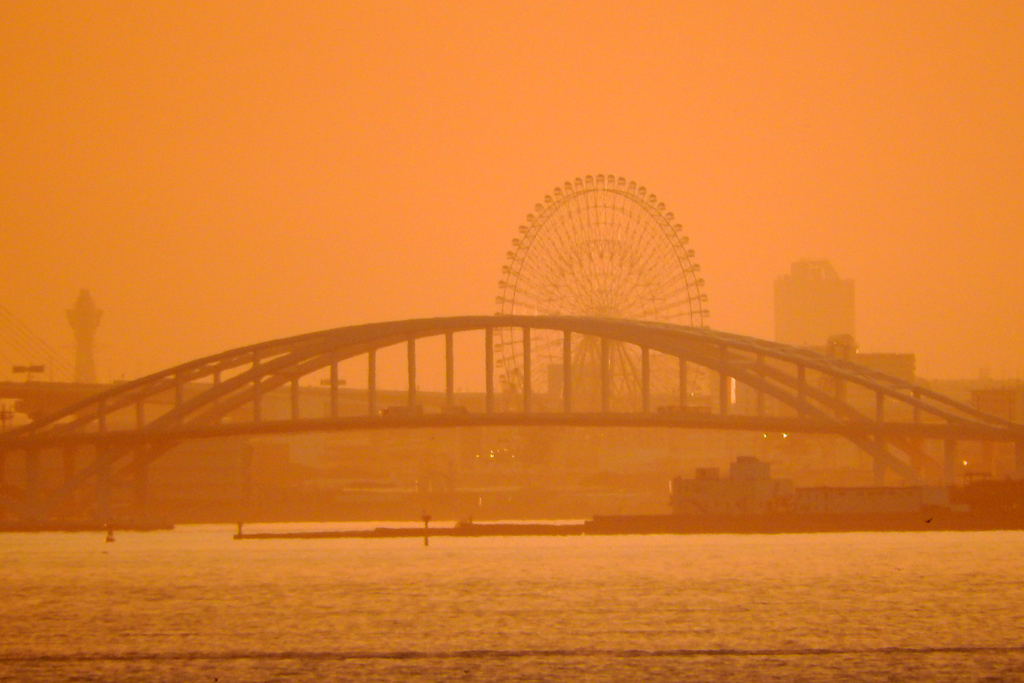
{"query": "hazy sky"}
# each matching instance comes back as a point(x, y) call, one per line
point(222, 173)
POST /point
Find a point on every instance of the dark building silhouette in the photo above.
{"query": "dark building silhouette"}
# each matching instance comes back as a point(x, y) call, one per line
point(812, 304)
point(84, 318)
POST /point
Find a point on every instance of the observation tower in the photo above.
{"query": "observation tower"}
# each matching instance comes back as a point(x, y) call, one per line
point(84, 318)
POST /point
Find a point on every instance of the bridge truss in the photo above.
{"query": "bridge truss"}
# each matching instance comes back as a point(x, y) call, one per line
point(116, 434)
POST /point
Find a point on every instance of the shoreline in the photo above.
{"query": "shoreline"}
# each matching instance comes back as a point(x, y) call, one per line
point(631, 525)
point(74, 527)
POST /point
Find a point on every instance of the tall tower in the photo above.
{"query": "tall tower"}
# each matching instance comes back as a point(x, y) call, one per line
point(812, 304)
point(84, 318)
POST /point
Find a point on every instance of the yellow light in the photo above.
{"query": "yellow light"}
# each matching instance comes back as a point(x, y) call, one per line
point(965, 462)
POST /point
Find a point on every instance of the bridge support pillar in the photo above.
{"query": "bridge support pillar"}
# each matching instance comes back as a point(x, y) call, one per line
point(879, 471)
point(840, 394)
point(949, 462)
point(371, 381)
point(141, 488)
point(759, 369)
point(411, 356)
point(684, 384)
point(69, 472)
point(645, 379)
point(489, 369)
point(723, 382)
point(449, 369)
point(527, 372)
point(724, 395)
point(334, 386)
point(103, 510)
point(245, 484)
point(567, 371)
point(32, 485)
point(605, 375)
point(801, 390)
point(257, 400)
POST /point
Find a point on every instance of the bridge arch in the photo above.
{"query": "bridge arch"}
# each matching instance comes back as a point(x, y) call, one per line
point(810, 392)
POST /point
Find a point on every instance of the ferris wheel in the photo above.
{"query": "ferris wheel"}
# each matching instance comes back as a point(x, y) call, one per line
point(599, 246)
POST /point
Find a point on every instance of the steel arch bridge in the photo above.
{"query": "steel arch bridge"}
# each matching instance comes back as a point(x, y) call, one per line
point(790, 389)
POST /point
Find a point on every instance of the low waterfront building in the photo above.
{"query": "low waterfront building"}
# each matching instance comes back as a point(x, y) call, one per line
point(749, 489)
point(872, 499)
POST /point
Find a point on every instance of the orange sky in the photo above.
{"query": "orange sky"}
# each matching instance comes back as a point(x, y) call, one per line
point(223, 173)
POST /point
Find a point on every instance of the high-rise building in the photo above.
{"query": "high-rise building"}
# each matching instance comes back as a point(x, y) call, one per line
point(812, 304)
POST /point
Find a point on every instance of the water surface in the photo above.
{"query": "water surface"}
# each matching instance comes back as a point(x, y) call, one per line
point(193, 604)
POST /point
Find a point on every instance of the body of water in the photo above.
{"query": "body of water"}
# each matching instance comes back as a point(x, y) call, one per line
point(193, 604)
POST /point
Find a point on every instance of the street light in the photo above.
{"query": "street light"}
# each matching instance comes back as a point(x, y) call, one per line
point(28, 370)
